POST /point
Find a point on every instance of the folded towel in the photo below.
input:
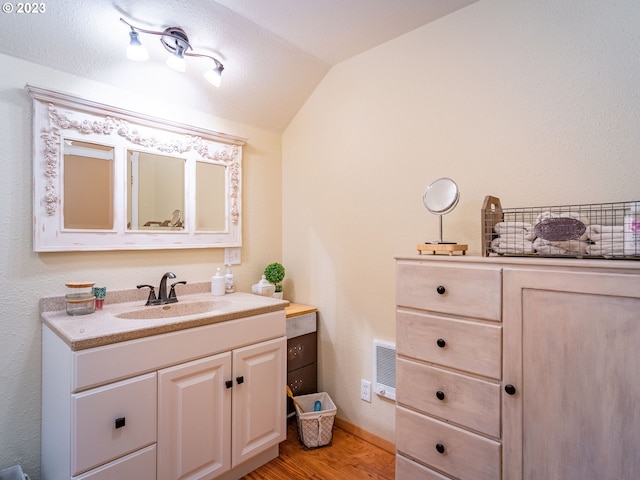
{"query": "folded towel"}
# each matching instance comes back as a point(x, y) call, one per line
point(609, 233)
point(606, 237)
point(568, 247)
point(511, 244)
point(606, 228)
point(606, 249)
point(550, 250)
point(511, 228)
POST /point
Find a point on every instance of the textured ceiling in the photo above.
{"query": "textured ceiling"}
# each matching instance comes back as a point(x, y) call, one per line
point(275, 52)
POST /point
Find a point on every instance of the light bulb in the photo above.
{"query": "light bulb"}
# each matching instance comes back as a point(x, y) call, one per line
point(214, 76)
point(135, 50)
point(177, 62)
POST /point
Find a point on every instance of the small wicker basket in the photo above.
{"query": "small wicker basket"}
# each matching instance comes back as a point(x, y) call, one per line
point(315, 428)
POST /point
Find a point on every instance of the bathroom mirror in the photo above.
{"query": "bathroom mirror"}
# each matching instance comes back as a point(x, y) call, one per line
point(440, 198)
point(106, 178)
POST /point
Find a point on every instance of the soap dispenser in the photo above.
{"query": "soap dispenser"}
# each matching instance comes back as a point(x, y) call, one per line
point(229, 287)
point(217, 283)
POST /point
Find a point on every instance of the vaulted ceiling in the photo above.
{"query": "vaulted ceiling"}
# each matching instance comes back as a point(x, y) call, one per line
point(275, 52)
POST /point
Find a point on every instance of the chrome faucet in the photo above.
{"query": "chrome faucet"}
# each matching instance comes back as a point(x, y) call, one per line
point(163, 298)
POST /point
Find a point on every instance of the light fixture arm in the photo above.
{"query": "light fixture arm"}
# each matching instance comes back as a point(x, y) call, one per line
point(176, 42)
point(176, 34)
point(219, 64)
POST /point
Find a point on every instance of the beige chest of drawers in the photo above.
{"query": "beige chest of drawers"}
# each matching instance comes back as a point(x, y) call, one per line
point(517, 369)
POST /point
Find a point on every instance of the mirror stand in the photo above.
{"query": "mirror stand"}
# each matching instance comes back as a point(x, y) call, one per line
point(440, 198)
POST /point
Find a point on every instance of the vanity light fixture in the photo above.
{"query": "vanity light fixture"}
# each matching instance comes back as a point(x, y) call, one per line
point(176, 42)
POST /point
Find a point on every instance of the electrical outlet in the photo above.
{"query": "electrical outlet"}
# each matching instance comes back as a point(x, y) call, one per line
point(365, 390)
point(232, 256)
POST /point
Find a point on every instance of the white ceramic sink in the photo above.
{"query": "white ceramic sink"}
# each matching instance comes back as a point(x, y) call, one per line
point(173, 310)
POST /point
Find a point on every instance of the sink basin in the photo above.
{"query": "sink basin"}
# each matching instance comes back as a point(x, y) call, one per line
point(172, 310)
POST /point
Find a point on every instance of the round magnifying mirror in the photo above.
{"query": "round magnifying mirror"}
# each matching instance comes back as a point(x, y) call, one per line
point(440, 197)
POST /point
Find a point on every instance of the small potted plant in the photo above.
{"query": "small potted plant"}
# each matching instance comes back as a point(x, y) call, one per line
point(274, 273)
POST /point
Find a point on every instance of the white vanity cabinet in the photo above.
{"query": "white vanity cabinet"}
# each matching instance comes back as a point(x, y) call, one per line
point(205, 402)
point(218, 412)
point(517, 369)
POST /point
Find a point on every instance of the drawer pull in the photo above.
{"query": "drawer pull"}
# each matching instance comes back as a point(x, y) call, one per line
point(440, 289)
point(440, 447)
point(440, 395)
point(240, 380)
point(120, 422)
point(510, 389)
point(441, 343)
point(228, 383)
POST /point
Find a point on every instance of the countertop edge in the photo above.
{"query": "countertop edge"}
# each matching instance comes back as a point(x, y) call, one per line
point(101, 328)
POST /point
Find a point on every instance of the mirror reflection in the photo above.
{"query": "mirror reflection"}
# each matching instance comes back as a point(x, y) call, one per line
point(210, 197)
point(88, 185)
point(155, 191)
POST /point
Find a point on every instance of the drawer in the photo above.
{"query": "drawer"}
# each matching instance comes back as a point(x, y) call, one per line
point(140, 465)
point(465, 455)
point(409, 470)
point(467, 401)
point(465, 345)
point(96, 436)
point(301, 351)
point(301, 325)
point(456, 290)
point(303, 380)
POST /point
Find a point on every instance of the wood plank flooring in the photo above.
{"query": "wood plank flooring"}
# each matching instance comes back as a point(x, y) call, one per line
point(347, 458)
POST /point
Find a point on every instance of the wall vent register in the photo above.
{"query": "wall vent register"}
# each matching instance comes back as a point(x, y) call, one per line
point(384, 369)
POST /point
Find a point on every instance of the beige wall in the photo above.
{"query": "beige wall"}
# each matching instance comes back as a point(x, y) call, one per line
point(534, 102)
point(27, 276)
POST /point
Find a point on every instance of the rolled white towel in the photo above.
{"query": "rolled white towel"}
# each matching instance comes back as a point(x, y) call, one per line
point(567, 247)
point(543, 248)
point(605, 233)
point(515, 228)
point(606, 228)
point(512, 244)
point(606, 249)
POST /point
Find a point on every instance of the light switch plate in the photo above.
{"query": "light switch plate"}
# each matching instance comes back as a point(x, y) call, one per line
point(232, 256)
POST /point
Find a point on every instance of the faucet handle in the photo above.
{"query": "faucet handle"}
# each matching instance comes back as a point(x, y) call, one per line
point(172, 293)
point(152, 293)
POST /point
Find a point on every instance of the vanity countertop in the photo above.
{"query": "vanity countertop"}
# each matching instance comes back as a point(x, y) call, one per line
point(103, 327)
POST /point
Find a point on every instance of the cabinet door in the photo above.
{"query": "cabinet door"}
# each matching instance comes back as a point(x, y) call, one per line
point(259, 407)
point(571, 352)
point(194, 411)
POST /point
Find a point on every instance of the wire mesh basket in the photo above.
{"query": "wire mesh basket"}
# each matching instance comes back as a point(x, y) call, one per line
point(600, 230)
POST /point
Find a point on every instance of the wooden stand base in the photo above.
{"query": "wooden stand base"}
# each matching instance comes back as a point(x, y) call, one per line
point(442, 247)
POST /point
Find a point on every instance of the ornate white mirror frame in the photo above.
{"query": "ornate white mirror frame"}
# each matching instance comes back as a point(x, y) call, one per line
point(60, 119)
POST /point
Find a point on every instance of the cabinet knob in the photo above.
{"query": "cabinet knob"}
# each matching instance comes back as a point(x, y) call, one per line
point(240, 380)
point(441, 343)
point(440, 447)
point(510, 389)
point(440, 289)
point(228, 383)
point(120, 422)
point(440, 395)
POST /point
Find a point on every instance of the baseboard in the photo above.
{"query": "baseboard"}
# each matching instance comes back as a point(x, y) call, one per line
point(366, 436)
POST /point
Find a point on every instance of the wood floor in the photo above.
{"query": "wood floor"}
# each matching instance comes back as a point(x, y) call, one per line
point(347, 458)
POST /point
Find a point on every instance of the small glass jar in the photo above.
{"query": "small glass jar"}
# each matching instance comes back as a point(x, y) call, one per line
point(80, 300)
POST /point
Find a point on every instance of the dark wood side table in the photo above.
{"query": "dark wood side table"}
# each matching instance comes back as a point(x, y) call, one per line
point(302, 351)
